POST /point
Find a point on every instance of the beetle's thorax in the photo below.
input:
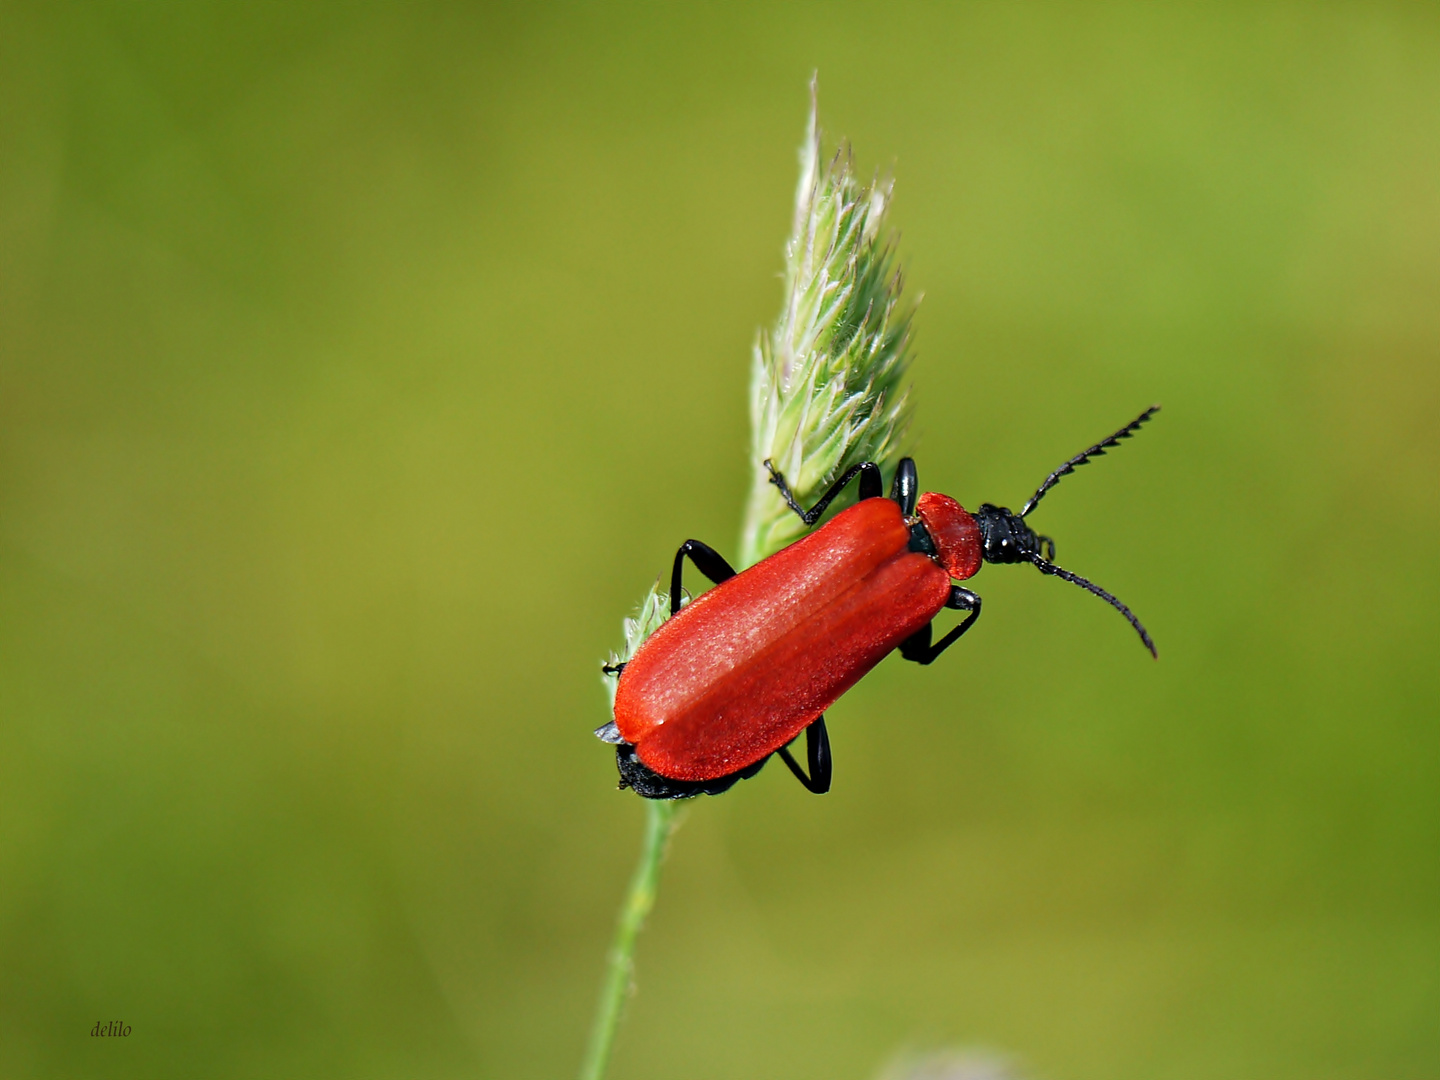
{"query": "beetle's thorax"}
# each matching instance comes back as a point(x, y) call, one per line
point(944, 530)
point(1005, 536)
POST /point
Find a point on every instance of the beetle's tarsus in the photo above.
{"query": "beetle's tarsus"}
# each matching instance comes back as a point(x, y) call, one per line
point(871, 487)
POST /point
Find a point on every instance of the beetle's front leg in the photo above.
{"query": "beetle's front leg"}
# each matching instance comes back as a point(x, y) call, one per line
point(917, 646)
point(870, 487)
point(817, 750)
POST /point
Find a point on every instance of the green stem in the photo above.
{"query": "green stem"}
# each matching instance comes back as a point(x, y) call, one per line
point(659, 822)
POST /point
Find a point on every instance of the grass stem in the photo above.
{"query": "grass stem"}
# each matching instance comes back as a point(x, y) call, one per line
point(660, 817)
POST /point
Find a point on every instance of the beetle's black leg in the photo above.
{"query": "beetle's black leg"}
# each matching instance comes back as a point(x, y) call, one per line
point(870, 487)
point(905, 487)
point(706, 560)
point(817, 750)
point(917, 646)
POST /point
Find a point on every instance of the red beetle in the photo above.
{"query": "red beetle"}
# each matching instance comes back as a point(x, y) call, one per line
point(737, 674)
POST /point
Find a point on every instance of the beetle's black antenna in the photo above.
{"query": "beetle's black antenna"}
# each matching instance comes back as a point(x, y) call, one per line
point(1047, 567)
point(1098, 450)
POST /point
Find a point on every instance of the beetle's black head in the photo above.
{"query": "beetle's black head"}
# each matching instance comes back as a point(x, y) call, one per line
point(1007, 539)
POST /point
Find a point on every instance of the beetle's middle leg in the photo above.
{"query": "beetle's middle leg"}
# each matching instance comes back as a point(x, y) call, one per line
point(917, 646)
point(817, 750)
point(706, 559)
point(870, 488)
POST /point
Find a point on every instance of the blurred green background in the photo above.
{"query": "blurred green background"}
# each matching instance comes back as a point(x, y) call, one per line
point(361, 366)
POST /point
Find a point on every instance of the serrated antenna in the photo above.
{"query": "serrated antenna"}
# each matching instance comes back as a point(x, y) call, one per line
point(1098, 450)
point(1045, 566)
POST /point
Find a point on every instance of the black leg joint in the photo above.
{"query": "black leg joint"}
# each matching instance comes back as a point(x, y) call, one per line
point(917, 646)
point(706, 559)
point(817, 752)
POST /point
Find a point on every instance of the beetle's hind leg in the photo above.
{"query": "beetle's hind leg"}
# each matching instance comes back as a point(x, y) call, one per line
point(817, 751)
point(706, 559)
point(870, 488)
point(917, 646)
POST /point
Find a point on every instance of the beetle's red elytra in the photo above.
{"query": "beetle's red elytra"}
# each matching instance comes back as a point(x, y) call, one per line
point(747, 666)
point(737, 674)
